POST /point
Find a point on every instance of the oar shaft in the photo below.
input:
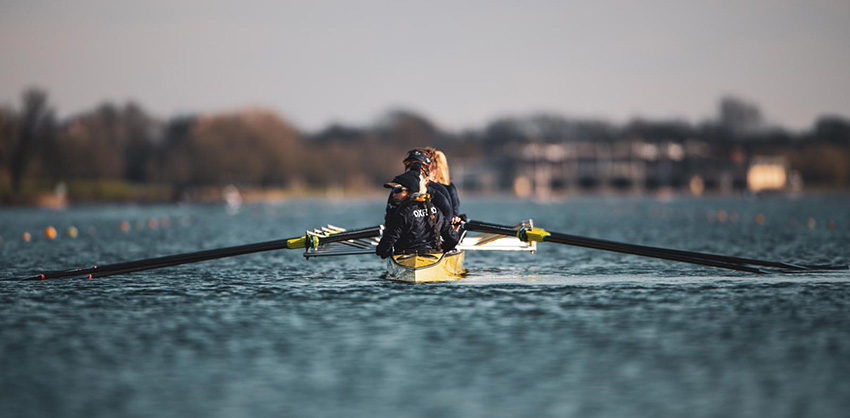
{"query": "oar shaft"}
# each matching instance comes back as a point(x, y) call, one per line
point(708, 256)
point(567, 239)
point(488, 227)
point(691, 254)
point(166, 260)
point(177, 259)
point(609, 246)
point(242, 250)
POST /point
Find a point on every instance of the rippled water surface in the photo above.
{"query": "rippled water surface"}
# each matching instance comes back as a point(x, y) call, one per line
point(563, 332)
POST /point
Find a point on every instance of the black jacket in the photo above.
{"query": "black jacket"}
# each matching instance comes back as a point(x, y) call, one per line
point(439, 197)
point(442, 198)
point(409, 227)
point(452, 189)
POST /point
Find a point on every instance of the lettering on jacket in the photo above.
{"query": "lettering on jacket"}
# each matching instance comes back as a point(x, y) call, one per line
point(421, 213)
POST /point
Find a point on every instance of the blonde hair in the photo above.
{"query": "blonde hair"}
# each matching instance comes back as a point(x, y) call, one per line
point(440, 168)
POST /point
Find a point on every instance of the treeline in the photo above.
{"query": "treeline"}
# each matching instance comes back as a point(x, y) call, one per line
point(121, 151)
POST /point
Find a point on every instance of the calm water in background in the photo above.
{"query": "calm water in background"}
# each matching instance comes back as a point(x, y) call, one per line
point(563, 332)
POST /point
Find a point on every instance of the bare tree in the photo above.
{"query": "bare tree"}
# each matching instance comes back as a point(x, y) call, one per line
point(8, 126)
point(36, 125)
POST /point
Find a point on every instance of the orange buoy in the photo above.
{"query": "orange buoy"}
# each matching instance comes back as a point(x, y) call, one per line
point(50, 232)
point(73, 232)
point(811, 223)
point(125, 226)
point(760, 219)
point(26, 236)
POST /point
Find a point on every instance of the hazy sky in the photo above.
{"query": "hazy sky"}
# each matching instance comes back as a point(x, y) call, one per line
point(460, 63)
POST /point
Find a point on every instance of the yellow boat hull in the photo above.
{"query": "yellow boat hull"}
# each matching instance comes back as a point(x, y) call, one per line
point(426, 268)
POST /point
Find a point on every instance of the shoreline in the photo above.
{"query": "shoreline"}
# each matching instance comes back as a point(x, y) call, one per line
point(210, 195)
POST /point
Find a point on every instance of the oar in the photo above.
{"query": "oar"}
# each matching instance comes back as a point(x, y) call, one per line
point(721, 258)
point(173, 260)
point(714, 260)
point(541, 235)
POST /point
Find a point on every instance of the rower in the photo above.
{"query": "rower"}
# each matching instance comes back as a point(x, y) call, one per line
point(440, 174)
point(418, 160)
point(423, 159)
point(415, 224)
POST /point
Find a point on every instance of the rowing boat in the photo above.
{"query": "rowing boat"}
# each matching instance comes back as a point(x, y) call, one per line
point(422, 267)
point(426, 268)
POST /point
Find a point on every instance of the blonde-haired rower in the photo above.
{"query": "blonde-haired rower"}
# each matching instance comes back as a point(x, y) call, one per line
point(440, 174)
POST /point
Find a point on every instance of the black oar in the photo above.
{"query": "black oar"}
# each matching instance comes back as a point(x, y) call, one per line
point(714, 260)
point(173, 260)
point(540, 235)
point(713, 257)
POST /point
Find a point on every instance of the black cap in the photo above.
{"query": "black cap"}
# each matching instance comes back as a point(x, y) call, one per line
point(418, 156)
point(408, 180)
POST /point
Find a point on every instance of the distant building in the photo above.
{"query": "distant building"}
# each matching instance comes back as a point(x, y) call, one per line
point(632, 166)
point(772, 174)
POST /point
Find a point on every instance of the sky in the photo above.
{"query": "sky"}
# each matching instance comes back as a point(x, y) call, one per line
point(459, 63)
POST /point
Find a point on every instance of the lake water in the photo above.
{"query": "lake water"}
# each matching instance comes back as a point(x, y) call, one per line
point(564, 332)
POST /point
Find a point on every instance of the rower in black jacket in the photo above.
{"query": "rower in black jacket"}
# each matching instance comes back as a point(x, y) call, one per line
point(418, 162)
point(414, 224)
point(439, 170)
